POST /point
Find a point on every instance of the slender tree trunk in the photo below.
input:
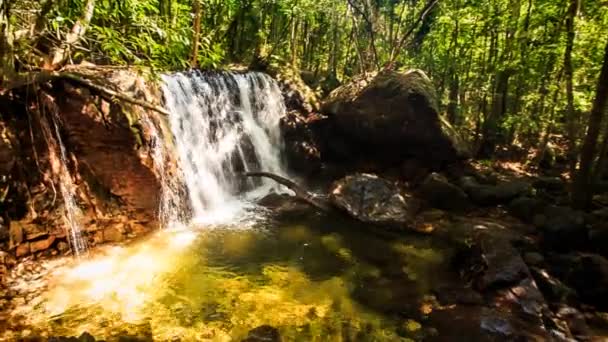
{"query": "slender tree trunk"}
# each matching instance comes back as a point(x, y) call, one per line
point(602, 162)
point(582, 190)
point(61, 53)
point(492, 131)
point(452, 111)
point(6, 43)
point(196, 37)
point(568, 70)
point(294, 43)
point(165, 9)
point(542, 148)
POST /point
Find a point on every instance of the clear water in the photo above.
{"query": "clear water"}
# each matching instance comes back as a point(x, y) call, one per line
point(315, 280)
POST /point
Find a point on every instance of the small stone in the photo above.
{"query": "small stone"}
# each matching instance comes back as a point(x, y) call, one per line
point(139, 229)
point(113, 234)
point(19, 301)
point(63, 246)
point(16, 233)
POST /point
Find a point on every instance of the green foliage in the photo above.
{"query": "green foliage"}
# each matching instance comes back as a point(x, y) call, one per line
point(463, 45)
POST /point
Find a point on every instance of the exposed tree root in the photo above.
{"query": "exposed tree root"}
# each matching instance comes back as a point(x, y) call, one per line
point(45, 76)
point(299, 191)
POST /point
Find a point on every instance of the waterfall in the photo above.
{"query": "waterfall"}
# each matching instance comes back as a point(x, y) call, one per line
point(224, 124)
point(67, 188)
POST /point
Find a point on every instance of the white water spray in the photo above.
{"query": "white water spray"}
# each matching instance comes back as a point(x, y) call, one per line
point(224, 124)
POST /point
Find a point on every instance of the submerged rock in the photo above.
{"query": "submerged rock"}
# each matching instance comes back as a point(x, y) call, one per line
point(371, 199)
point(264, 333)
point(285, 207)
point(393, 115)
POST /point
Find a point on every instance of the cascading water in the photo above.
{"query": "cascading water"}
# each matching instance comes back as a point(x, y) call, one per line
point(224, 124)
point(58, 160)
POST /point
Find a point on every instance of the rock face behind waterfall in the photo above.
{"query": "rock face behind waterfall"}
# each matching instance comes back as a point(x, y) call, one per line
point(389, 117)
point(105, 144)
point(113, 181)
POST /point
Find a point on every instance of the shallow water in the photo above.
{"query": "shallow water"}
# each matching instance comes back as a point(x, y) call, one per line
point(316, 280)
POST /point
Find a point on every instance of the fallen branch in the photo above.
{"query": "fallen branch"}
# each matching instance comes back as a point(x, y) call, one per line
point(299, 191)
point(45, 76)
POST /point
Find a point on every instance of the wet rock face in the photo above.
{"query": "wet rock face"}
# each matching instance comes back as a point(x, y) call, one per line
point(301, 148)
point(391, 116)
point(371, 199)
point(105, 145)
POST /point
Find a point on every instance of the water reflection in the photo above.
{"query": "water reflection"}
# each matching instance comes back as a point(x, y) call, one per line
point(314, 280)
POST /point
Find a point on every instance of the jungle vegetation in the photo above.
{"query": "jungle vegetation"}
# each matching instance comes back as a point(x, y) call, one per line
point(520, 74)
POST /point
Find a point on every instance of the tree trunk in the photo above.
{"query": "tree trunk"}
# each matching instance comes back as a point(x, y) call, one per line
point(6, 44)
point(452, 111)
point(582, 190)
point(164, 8)
point(492, 131)
point(602, 162)
point(570, 114)
point(196, 9)
point(61, 53)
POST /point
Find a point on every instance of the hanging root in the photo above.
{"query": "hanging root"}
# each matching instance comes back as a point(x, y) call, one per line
point(299, 191)
point(84, 80)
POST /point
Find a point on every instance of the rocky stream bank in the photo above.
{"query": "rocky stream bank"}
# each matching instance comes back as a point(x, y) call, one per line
point(526, 266)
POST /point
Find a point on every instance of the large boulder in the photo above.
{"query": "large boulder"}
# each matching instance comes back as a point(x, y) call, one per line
point(393, 115)
point(369, 198)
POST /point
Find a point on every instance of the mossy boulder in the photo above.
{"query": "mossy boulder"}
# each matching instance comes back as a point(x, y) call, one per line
point(391, 116)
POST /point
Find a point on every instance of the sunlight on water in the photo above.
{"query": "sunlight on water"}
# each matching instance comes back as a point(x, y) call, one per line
point(122, 278)
point(217, 284)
